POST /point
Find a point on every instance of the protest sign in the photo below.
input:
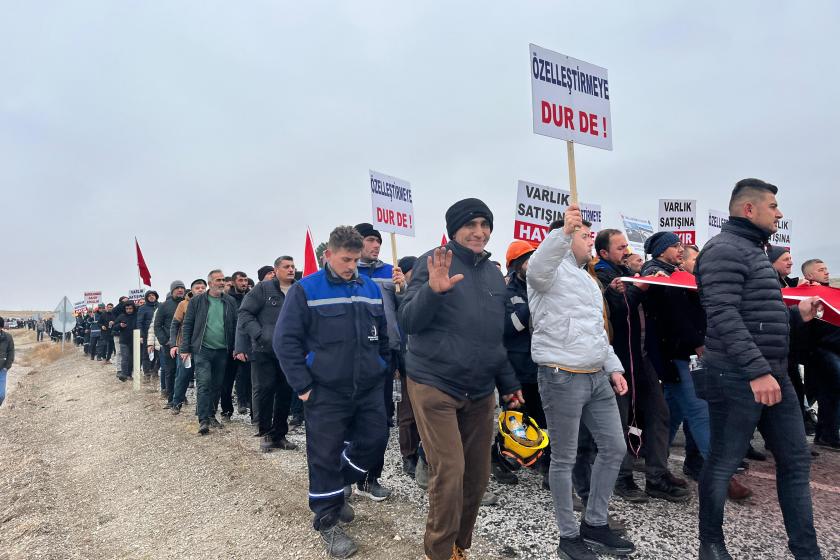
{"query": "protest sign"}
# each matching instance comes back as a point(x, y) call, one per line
point(637, 232)
point(79, 307)
point(782, 236)
point(538, 205)
point(392, 204)
point(93, 297)
point(570, 99)
point(136, 295)
point(680, 217)
point(716, 221)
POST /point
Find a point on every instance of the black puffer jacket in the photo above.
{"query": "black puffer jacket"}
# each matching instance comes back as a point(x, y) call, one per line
point(748, 324)
point(518, 330)
point(455, 338)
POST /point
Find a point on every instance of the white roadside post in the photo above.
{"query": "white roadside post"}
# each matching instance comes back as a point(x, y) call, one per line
point(135, 368)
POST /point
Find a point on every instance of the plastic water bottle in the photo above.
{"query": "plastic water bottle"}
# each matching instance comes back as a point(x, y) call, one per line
point(516, 428)
point(188, 362)
point(397, 393)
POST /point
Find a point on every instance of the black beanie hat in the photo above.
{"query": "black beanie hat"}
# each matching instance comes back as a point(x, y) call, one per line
point(406, 264)
point(659, 242)
point(263, 271)
point(465, 211)
point(774, 253)
point(366, 230)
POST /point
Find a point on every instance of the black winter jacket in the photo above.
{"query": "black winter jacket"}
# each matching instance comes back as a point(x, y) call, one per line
point(675, 322)
point(257, 317)
point(126, 324)
point(163, 319)
point(195, 321)
point(626, 339)
point(455, 339)
point(518, 330)
point(144, 317)
point(748, 324)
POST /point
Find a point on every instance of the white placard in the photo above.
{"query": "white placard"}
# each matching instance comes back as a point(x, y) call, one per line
point(93, 297)
point(136, 295)
point(570, 98)
point(680, 217)
point(716, 220)
point(637, 232)
point(392, 204)
point(79, 306)
point(782, 236)
point(539, 205)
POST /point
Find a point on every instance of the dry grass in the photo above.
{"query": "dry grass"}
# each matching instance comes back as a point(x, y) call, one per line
point(42, 354)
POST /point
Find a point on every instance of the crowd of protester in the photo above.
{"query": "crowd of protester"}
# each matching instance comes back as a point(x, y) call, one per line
point(610, 369)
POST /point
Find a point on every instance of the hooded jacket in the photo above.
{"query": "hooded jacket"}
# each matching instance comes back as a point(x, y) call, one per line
point(567, 309)
point(748, 324)
point(455, 339)
point(127, 331)
point(7, 350)
point(145, 313)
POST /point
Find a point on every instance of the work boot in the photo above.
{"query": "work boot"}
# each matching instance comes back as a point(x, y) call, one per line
point(242, 409)
point(675, 480)
point(409, 465)
point(204, 427)
point(489, 499)
point(176, 409)
point(604, 540)
point(267, 444)
point(295, 420)
point(502, 475)
point(284, 444)
point(373, 490)
point(421, 474)
point(574, 549)
point(167, 406)
point(628, 489)
point(666, 491)
point(713, 551)
point(214, 423)
point(347, 513)
point(737, 491)
point(828, 445)
point(226, 416)
point(337, 543)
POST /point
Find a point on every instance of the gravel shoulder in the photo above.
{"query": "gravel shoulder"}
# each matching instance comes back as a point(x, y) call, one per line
point(91, 469)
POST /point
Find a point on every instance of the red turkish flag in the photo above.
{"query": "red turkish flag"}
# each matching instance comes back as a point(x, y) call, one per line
point(830, 298)
point(310, 260)
point(443, 241)
point(145, 275)
point(678, 279)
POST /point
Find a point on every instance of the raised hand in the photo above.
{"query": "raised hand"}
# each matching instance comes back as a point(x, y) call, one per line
point(439, 263)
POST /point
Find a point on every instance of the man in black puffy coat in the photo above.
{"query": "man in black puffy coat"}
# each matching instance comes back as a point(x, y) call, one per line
point(745, 380)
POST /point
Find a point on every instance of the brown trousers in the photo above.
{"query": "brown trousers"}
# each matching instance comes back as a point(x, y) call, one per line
point(409, 436)
point(456, 437)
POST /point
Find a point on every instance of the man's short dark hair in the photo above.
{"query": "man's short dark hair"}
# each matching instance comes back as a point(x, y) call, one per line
point(227, 278)
point(694, 248)
point(198, 281)
point(602, 240)
point(557, 224)
point(238, 274)
point(282, 258)
point(810, 262)
point(749, 189)
point(345, 237)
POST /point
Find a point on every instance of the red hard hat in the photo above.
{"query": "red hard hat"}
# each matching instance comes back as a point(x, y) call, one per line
point(516, 250)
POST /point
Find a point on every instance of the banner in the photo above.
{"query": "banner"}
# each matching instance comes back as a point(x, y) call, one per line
point(93, 297)
point(392, 204)
point(538, 205)
point(782, 236)
point(637, 232)
point(570, 99)
point(79, 307)
point(136, 295)
point(680, 217)
point(716, 221)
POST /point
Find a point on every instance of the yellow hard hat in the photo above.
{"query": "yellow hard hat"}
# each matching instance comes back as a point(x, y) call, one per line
point(522, 439)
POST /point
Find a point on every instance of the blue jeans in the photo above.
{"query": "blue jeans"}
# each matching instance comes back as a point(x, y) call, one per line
point(685, 406)
point(210, 366)
point(734, 415)
point(569, 400)
point(3, 373)
point(183, 376)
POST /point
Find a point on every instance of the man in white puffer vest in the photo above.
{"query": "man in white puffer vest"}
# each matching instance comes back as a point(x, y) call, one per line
point(578, 372)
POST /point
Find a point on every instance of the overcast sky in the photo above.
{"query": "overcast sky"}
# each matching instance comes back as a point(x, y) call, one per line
point(216, 132)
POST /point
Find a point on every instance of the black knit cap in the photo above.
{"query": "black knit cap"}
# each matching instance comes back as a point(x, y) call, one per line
point(263, 271)
point(406, 264)
point(774, 253)
point(366, 230)
point(465, 211)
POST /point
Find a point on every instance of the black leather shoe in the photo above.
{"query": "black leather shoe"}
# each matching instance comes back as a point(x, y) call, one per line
point(713, 551)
